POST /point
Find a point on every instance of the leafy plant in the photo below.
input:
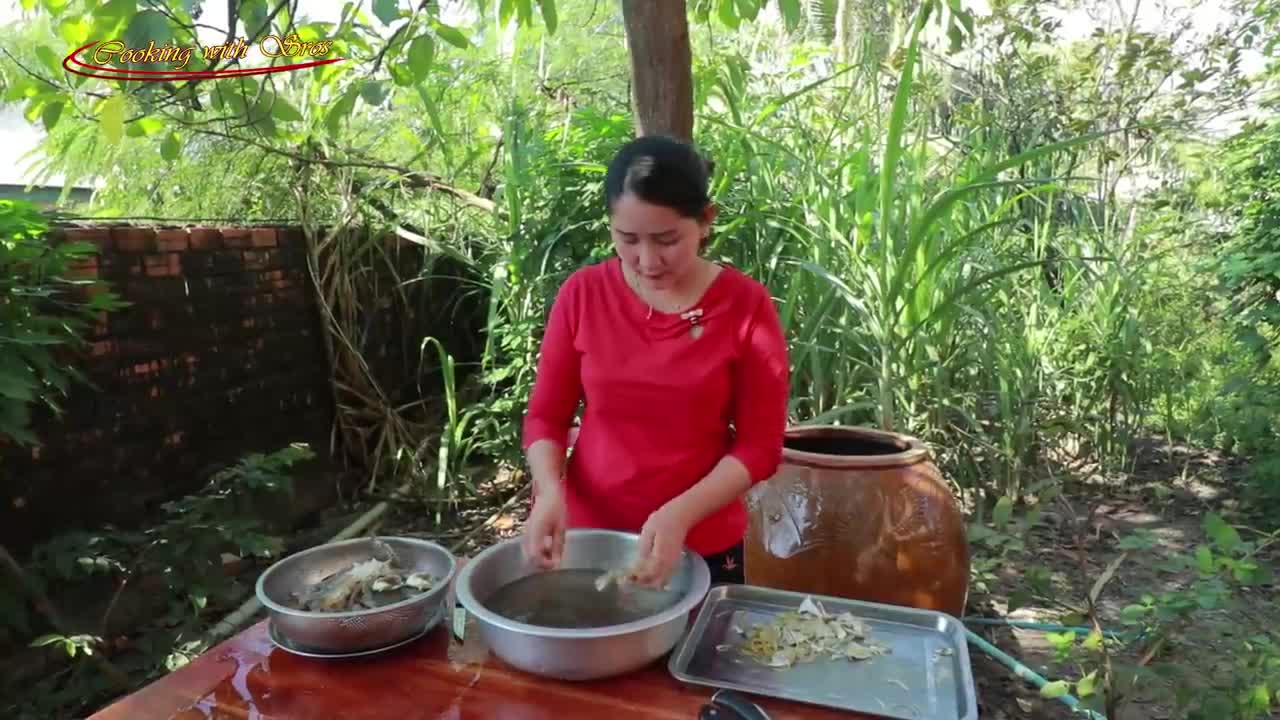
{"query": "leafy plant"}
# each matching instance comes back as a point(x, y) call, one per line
point(1222, 567)
point(181, 557)
point(44, 309)
point(186, 548)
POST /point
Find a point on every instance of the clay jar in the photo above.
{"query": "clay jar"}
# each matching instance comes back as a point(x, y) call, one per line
point(862, 514)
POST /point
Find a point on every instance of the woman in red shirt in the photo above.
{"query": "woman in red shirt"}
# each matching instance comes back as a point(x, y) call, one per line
point(683, 367)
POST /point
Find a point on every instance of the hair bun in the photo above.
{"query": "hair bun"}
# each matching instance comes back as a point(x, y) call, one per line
point(661, 170)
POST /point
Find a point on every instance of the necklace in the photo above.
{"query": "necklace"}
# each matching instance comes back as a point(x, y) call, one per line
point(691, 316)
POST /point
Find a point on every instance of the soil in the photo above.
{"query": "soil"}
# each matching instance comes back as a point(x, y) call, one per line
point(1167, 492)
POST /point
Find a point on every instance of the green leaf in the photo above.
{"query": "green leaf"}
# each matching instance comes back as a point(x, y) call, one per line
point(955, 37)
point(791, 13)
point(51, 113)
point(1204, 558)
point(340, 110)
point(1093, 641)
point(283, 111)
point(170, 148)
point(111, 17)
point(1062, 640)
point(373, 92)
point(548, 8)
point(1224, 536)
point(1002, 512)
point(422, 52)
point(452, 36)
point(1133, 614)
point(506, 9)
point(433, 112)
point(727, 11)
point(111, 115)
point(50, 59)
point(75, 31)
point(1055, 689)
point(144, 126)
point(401, 75)
point(1260, 698)
point(146, 27)
point(253, 14)
point(1087, 684)
point(386, 10)
point(46, 640)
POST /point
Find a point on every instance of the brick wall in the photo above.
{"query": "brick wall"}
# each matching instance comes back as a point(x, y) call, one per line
point(220, 354)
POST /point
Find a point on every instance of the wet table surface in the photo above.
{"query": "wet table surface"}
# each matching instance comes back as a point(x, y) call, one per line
point(248, 678)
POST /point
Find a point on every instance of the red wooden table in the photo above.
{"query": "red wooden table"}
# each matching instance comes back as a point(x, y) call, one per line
point(248, 678)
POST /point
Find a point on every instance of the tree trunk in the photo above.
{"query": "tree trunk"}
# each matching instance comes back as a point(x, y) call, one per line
point(661, 66)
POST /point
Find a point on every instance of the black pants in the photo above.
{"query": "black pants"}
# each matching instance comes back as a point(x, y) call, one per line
point(726, 567)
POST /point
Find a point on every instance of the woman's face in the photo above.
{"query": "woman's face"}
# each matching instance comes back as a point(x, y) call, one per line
point(658, 244)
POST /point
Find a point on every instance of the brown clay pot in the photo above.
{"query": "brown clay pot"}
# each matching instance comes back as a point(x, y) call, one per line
point(862, 514)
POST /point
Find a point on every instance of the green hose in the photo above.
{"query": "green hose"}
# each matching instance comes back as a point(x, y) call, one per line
point(1027, 673)
point(1046, 627)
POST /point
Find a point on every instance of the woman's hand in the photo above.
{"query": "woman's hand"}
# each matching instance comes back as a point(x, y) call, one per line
point(543, 537)
point(661, 544)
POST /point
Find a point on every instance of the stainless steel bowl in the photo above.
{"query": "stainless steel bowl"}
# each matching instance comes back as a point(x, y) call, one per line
point(356, 630)
point(578, 654)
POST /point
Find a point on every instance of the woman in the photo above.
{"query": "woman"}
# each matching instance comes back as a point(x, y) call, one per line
point(683, 366)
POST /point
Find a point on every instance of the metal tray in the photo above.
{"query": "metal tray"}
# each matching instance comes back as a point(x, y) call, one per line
point(925, 676)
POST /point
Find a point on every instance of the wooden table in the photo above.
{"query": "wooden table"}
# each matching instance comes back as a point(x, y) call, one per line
point(248, 678)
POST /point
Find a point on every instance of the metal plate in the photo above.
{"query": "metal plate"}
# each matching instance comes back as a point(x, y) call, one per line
point(284, 644)
point(926, 675)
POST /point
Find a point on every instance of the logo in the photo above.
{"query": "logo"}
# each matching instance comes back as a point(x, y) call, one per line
point(102, 53)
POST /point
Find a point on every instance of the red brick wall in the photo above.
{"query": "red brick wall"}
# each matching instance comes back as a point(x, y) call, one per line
point(220, 354)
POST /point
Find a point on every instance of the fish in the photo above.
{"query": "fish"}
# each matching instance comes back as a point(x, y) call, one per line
point(365, 584)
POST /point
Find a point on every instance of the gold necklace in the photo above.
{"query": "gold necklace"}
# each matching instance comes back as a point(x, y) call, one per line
point(691, 316)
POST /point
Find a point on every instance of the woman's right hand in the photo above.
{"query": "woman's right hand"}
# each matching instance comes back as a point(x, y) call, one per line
point(543, 536)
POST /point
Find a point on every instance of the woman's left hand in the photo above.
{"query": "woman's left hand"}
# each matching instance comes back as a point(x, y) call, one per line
point(661, 544)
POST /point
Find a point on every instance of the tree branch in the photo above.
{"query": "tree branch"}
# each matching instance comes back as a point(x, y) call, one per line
point(233, 16)
point(377, 59)
point(412, 178)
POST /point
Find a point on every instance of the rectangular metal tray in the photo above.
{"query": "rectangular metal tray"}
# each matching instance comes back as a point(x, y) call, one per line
point(925, 676)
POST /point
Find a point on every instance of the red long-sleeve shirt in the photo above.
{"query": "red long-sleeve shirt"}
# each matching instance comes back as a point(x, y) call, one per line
point(662, 407)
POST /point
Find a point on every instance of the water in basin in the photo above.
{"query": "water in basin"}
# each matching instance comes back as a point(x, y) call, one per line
point(568, 598)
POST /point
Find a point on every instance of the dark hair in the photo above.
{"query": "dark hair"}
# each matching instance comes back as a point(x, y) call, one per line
point(660, 170)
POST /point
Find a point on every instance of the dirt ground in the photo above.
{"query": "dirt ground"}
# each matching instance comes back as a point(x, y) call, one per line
point(1167, 493)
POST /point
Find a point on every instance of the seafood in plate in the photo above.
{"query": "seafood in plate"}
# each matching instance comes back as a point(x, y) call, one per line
point(807, 634)
point(365, 585)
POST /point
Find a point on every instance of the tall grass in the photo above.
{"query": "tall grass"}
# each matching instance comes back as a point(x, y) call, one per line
point(881, 253)
point(931, 282)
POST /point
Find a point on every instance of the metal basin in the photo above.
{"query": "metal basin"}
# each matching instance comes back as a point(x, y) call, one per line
point(572, 653)
point(357, 630)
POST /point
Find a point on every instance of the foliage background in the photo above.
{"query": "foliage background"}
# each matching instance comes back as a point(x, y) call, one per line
point(1031, 248)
